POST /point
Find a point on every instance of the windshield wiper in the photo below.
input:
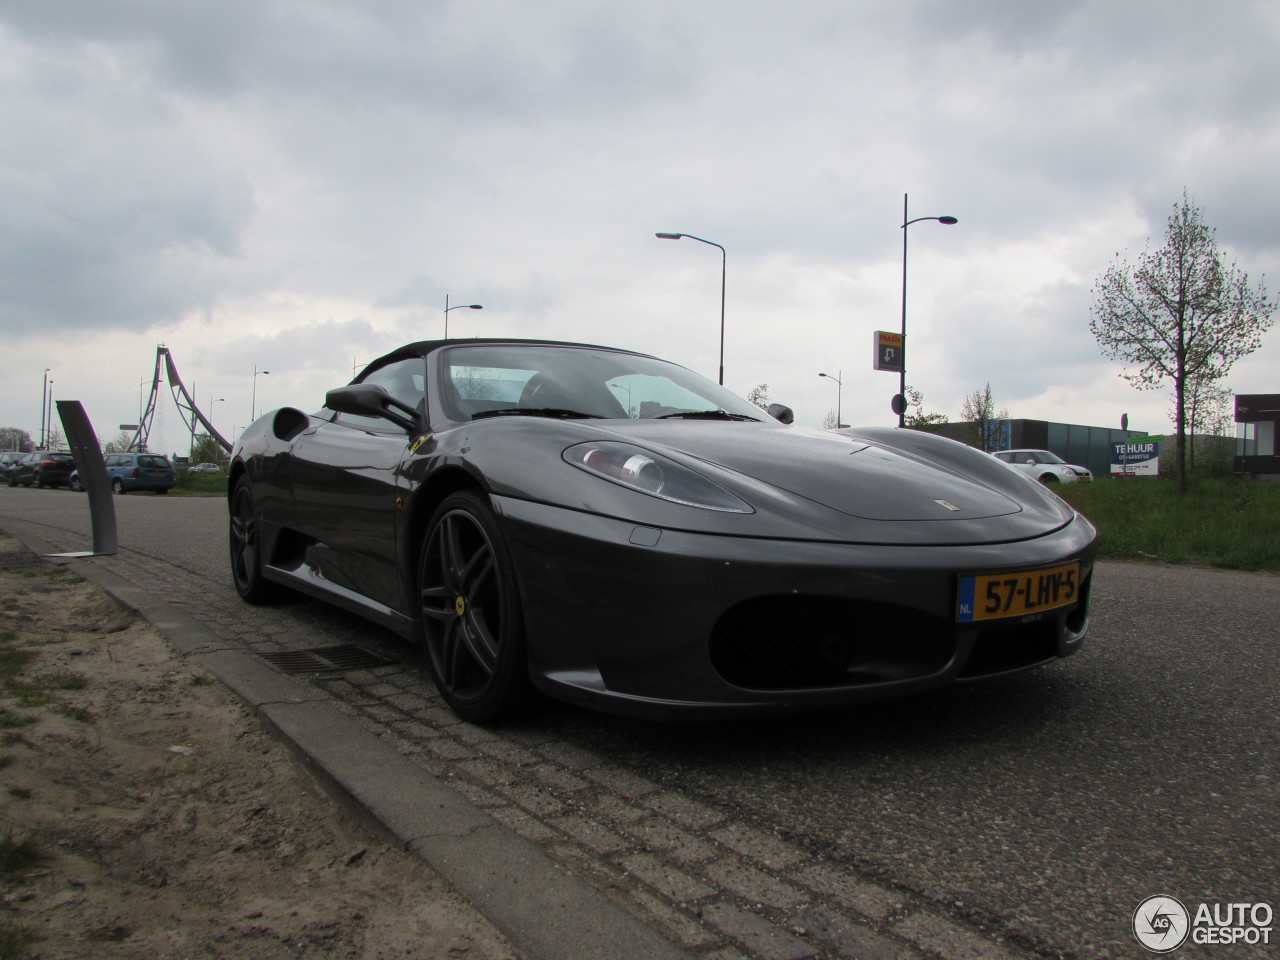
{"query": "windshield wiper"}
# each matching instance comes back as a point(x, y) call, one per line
point(707, 415)
point(553, 412)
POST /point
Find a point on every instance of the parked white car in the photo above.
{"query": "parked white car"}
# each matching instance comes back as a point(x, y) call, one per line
point(1045, 466)
point(204, 468)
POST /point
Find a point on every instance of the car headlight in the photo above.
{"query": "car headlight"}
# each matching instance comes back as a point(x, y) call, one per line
point(647, 472)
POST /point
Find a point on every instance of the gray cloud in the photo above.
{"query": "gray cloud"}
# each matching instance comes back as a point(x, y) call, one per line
point(198, 169)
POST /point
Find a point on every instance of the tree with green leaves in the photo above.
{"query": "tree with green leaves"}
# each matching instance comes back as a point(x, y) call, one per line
point(1180, 316)
point(916, 418)
point(980, 410)
point(205, 449)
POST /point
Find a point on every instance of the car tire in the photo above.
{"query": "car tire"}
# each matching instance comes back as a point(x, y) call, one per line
point(117, 487)
point(40, 484)
point(1049, 479)
point(163, 490)
point(472, 622)
point(246, 547)
point(75, 485)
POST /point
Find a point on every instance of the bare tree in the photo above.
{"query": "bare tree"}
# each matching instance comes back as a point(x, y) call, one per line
point(1210, 421)
point(759, 395)
point(980, 410)
point(120, 444)
point(13, 438)
point(830, 421)
point(1181, 315)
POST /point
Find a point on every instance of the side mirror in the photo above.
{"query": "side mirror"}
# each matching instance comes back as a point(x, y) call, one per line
point(371, 400)
point(781, 412)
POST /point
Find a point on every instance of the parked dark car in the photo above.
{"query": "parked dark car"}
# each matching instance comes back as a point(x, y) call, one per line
point(617, 531)
point(140, 471)
point(44, 468)
point(7, 459)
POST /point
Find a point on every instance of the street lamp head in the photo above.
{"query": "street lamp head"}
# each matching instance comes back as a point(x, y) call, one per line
point(475, 306)
point(948, 220)
point(668, 236)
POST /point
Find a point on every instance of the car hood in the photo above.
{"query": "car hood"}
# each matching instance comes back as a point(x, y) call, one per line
point(845, 472)
point(873, 486)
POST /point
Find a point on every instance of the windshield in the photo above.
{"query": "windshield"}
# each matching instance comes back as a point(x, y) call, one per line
point(547, 380)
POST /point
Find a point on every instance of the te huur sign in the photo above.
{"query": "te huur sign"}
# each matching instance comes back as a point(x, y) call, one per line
point(1139, 457)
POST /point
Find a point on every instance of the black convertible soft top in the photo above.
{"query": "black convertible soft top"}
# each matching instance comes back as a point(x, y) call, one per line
point(423, 347)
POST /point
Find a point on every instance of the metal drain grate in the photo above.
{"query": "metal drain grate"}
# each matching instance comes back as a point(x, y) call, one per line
point(324, 659)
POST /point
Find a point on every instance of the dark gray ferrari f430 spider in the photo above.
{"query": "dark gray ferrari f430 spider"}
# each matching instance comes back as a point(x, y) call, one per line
point(617, 531)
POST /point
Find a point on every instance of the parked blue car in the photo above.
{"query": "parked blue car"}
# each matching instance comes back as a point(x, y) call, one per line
point(140, 471)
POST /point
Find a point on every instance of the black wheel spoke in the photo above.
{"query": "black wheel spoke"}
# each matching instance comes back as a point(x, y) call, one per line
point(479, 641)
point(452, 553)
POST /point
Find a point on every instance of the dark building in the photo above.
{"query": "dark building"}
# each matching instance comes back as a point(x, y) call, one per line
point(1087, 446)
point(1257, 424)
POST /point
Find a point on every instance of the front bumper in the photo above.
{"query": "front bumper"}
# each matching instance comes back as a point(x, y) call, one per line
point(666, 623)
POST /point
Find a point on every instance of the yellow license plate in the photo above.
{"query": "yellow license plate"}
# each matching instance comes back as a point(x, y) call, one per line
point(997, 596)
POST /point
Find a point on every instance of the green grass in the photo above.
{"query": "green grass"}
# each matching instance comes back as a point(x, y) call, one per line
point(14, 721)
point(1228, 522)
point(200, 485)
point(19, 854)
point(12, 659)
point(78, 714)
point(14, 939)
point(39, 691)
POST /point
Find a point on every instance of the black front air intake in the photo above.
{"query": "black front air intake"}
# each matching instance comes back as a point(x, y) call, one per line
point(799, 642)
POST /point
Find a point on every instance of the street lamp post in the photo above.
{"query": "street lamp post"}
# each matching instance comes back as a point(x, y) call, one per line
point(192, 451)
point(44, 394)
point(253, 403)
point(902, 374)
point(460, 306)
point(839, 395)
point(724, 260)
point(48, 425)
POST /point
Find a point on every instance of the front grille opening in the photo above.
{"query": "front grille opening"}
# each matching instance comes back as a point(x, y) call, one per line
point(1000, 649)
point(797, 642)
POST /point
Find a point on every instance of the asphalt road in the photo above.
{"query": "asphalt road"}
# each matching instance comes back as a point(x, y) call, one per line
point(1045, 807)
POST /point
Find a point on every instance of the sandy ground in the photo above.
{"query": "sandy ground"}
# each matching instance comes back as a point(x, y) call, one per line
point(174, 826)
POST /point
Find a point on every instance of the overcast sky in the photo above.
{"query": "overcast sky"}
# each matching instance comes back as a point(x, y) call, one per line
point(297, 185)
